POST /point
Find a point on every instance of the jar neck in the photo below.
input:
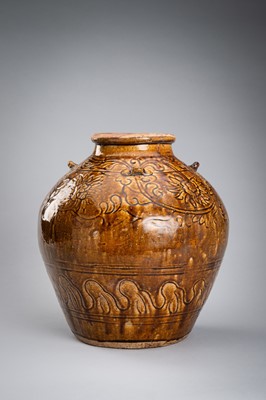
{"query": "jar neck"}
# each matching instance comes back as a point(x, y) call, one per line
point(133, 150)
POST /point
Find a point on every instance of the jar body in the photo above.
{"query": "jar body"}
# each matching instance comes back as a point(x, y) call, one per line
point(132, 239)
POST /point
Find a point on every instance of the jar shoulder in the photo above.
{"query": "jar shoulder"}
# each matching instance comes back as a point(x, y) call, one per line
point(102, 185)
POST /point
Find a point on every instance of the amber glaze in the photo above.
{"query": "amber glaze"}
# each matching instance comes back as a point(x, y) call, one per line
point(132, 239)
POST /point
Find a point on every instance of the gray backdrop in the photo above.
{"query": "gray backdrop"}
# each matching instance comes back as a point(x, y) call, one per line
point(192, 68)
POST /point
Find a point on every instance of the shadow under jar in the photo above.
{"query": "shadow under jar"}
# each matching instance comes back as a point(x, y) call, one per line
point(132, 239)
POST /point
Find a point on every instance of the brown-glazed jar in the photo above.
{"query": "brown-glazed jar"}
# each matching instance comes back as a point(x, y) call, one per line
point(132, 239)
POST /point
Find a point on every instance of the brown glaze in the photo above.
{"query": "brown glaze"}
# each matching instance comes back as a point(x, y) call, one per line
point(132, 239)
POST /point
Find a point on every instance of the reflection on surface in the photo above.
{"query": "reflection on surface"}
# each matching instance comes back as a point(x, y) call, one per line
point(160, 225)
point(56, 199)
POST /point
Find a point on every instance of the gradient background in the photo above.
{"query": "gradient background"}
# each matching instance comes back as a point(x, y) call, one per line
point(193, 68)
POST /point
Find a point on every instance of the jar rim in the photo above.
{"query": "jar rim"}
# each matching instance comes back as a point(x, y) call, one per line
point(114, 138)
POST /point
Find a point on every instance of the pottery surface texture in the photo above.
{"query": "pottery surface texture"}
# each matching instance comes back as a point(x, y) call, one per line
point(132, 239)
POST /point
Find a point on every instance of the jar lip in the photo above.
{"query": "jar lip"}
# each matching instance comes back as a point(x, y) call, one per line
point(113, 138)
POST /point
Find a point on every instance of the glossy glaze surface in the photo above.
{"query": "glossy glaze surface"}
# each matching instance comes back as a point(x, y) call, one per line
point(132, 239)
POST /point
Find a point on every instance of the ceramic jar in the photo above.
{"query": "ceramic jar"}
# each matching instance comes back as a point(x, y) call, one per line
point(132, 239)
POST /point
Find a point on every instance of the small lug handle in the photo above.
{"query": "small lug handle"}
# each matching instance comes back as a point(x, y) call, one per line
point(195, 165)
point(71, 164)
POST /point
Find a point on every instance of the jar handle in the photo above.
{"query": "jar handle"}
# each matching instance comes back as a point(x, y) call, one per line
point(195, 165)
point(71, 164)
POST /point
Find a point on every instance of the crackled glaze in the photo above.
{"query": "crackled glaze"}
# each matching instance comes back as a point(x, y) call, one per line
point(132, 239)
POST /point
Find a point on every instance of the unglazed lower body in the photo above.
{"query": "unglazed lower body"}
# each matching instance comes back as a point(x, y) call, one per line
point(130, 345)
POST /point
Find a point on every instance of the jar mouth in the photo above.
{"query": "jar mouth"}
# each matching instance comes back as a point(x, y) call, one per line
point(114, 138)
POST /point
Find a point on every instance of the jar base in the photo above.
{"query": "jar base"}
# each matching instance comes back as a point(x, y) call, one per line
point(129, 345)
